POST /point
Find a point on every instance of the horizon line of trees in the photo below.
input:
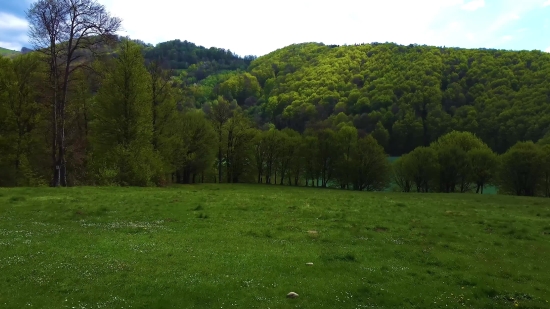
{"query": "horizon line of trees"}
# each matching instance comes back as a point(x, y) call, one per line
point(72, 116)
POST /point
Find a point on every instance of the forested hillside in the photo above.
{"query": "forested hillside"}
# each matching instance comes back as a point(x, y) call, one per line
point(416, 93)
point(198, 70)
point(105, 110)
point(197, 61)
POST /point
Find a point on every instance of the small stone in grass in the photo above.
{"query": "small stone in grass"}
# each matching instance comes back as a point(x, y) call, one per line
point(291, 295)
point(309, 264)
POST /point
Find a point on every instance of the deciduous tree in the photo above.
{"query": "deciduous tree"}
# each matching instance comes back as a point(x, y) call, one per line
point(372, 168)
point(521, 169)
point(219, 113)
point(483, 167)
point(123, 128)
point(59, 29)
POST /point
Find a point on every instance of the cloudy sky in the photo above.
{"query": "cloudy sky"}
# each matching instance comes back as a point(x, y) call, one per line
point(250, 27)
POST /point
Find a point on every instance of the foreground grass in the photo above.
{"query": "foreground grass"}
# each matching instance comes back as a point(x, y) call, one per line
point(213, 246)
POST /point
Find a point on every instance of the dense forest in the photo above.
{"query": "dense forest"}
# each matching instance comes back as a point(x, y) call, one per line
point(107, 110)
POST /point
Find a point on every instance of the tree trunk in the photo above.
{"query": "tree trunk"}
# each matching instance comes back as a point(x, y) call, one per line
point(219, 180)
point(55, 166)
point(154, 107)
point(63, 103)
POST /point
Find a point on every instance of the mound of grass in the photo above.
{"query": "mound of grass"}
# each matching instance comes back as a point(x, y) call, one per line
point(247, 246)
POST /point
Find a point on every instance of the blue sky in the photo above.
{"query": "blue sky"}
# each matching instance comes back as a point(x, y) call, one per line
point(250, 27)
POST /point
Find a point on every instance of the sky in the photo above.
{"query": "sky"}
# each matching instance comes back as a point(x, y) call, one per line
point(250, 27)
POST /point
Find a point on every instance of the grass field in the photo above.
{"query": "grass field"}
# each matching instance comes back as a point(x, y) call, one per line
point(246, 246)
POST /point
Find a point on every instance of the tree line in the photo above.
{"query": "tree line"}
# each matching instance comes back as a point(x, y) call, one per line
point(126, 127)
point(413, 94)
point(91, 109)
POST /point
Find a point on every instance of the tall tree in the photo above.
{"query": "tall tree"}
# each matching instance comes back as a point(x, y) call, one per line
point(79, 116)
point(400, 175)
point(520, 169)
point(197, 149)
point(297, 160)
point(123, 128)
point(373, 170)
point(288, 152)
point(161, 103)
point(455, 170)
point(258, 144)
point(20, 117)
point(347, 142)
point(271, 139)
point(165, 114)
point(483, 167)
point(219, 114)
point(59, 29)
point(239, 136)
point(328, 155)
point(421, 167)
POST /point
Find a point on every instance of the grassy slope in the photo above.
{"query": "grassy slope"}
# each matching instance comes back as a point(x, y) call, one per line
point(153, 248)
point(7, 52)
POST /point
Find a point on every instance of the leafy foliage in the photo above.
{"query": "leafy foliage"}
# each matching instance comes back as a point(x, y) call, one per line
point(418, 93)
point(20, 120)
point(521, 171)
point(123, 128)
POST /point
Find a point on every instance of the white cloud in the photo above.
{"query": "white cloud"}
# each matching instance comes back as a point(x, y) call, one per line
point(11, 22)
point(473, 5)
point(252, 27)
point(547, 3)
point(10, 45)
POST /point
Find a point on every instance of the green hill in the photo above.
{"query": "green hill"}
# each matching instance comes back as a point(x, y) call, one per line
point(7, 52)
point(199, 61)
point(416, 92)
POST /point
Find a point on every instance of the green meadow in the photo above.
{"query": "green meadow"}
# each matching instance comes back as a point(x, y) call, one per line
point(247, 246)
